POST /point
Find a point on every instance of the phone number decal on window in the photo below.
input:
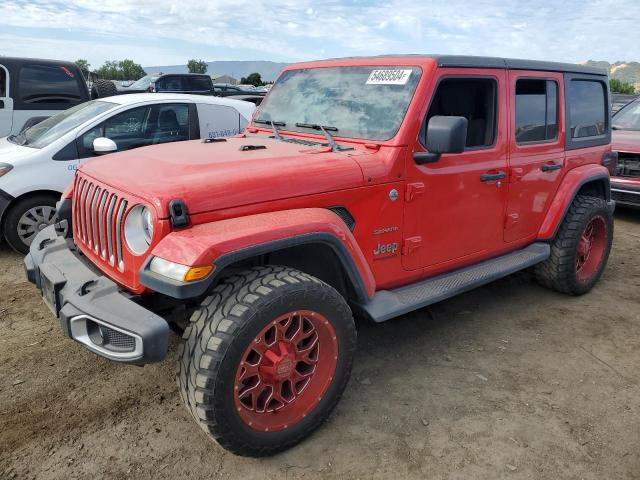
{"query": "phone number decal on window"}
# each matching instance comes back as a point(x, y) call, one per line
point(389, 77)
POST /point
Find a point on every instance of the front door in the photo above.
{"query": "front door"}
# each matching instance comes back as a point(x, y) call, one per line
point(6, 103)
point(455, 206)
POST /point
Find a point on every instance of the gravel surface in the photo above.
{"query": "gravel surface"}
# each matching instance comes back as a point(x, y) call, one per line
point(508, 381)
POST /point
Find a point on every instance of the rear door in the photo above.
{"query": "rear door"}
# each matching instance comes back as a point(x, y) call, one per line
point(536, 147)
point(6, 103)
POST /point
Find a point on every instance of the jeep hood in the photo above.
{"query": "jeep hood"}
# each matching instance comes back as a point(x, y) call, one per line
point(217, 175)
point(625, 141)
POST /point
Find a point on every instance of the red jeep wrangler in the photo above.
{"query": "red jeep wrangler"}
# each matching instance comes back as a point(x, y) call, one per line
point(368, 185)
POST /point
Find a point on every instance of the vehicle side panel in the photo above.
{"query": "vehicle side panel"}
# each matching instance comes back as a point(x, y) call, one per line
point(204, 244)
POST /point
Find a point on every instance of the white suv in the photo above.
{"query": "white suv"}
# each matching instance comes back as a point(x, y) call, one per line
point(38, 164)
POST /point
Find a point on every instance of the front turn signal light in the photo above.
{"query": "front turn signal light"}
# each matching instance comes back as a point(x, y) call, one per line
point(177, 271)
point(197, 273)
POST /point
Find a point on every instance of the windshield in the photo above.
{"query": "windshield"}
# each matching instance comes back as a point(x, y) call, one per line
point(51, 129)
point(628, 118)
point(143, 83)
point(357, 102)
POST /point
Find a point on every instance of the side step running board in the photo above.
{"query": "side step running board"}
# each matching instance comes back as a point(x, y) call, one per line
point(387, 304)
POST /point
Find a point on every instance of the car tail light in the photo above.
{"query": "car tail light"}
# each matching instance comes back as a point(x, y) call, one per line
point(610, 160)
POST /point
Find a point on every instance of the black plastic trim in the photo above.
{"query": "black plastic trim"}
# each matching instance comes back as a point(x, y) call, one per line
point(583, 182)
point(80, 290)
point(184, 290)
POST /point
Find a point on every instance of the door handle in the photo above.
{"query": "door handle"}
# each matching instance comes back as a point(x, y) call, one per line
point(549, 167)
point(490, 177)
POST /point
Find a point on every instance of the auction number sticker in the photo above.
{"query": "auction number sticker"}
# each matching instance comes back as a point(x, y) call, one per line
point(389, 77)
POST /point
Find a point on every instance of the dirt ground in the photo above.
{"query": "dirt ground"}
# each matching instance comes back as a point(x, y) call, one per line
point(508, 381)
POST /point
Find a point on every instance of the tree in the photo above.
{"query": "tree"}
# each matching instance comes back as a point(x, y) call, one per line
point(83, 65)
point(618, 86)
point(253, 79)
point(121, 70)
point(197, 66)
point(131, 70)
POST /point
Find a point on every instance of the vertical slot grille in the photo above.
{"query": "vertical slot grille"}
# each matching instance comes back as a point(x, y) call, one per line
point(98, 215)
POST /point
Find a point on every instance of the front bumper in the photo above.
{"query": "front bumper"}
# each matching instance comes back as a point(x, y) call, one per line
point(90, 307)
point(625, 193)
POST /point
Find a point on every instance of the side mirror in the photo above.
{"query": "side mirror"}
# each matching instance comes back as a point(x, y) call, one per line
point(444, 135)
point(102, 145)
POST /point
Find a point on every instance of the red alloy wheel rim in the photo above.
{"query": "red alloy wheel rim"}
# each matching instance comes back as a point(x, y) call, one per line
point(591, 248)
point(285, 371)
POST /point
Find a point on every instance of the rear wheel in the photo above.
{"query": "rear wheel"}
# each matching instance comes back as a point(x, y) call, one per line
point(265, 359)
point(580, 250)
point(26, 218)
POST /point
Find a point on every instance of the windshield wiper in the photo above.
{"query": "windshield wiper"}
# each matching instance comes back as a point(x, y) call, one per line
point(324, 129)
point(274, 126)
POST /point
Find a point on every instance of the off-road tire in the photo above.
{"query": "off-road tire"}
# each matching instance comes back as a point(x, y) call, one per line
point(559, 271)
point(12, 217)
point(221, 329)
point(103, 88)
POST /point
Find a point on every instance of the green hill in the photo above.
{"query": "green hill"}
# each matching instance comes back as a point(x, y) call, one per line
point(628, 72)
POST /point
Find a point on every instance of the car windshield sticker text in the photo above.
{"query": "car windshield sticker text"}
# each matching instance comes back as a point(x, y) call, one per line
point(389, 77)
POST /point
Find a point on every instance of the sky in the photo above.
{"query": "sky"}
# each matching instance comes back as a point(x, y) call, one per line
point(165, 32)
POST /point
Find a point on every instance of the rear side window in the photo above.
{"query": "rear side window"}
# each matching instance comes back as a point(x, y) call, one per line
point(536, 110)
point(587, 108)
point(47, 84)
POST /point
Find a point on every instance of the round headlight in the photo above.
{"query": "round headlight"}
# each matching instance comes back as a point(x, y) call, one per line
point(138, 229)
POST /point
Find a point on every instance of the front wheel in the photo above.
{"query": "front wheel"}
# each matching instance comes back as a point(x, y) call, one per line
point(265, 359)
point(580, 250)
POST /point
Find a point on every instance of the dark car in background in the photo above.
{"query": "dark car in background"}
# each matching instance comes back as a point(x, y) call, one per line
point(193, 83)
point(34, 89)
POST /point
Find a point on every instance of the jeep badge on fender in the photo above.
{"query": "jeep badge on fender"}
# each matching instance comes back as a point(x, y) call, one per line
point(276, 252)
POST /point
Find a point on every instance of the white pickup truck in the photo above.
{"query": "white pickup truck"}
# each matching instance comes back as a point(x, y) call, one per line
point(37, 164)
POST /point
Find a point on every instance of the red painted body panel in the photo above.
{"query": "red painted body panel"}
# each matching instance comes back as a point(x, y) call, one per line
point(204, 243)
point(626, 141)
point(571, 183)
point(443, 217)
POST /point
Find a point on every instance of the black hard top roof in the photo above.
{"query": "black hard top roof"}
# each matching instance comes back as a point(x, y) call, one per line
point(465, 61)
point(470, 61)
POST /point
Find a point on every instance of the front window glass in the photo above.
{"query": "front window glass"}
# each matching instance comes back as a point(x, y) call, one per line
point(51, 129)
point(628, 118)
point(358, 102)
